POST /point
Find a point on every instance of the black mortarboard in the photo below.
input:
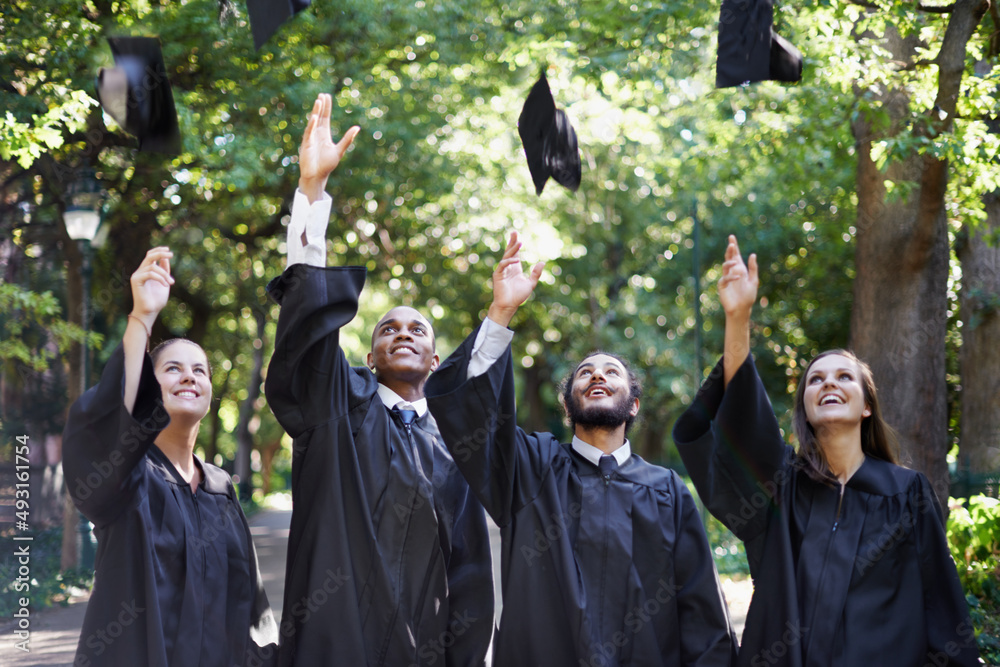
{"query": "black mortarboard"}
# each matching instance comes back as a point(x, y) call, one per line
point(136, 93)
point(749, 49)
point(266, 16)
point(549, 140)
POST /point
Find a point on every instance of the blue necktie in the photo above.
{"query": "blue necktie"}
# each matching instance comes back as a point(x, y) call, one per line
point(607, 464)
point(405, 415)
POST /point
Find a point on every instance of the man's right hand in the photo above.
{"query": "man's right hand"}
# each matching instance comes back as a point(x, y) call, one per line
point(318, 155)
point(511, 286)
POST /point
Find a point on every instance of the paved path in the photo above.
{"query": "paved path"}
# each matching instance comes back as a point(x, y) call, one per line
point(54, 632)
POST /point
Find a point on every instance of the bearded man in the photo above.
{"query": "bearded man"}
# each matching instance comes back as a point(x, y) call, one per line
point(604, 557)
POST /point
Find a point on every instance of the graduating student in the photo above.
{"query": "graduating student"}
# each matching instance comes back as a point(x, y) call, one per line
point(176, 580)
point(388, 554)
point(846, 548)
point(605, 561)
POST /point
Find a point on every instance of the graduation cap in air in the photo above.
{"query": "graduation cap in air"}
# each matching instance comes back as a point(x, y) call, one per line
point(136, 93)
point(749, 49)
point(549, 140)
point(266, 16)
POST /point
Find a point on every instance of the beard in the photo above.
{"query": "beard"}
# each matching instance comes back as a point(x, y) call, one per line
point(610, 417)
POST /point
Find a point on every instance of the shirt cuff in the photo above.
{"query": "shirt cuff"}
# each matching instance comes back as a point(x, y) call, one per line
point(312, 219)
point(491, 342)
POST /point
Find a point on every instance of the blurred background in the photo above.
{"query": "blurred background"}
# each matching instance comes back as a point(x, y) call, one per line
point(869, 192)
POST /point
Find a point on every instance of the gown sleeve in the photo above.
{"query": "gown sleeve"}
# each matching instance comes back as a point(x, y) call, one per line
point(504, 466)
point(262, 648)
point(706, 636)
point(951, 637)
point(103, 444)
point(309, 381)
point(731, 444)
point(470, 585)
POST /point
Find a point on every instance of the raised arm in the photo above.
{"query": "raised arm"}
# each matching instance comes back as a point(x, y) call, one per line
point(511, 285)
point(729, 437)
point(737, 294)
point(318, 157)
point(472, 398)
point(511, 288)
point(113, 424)
point(150, 291)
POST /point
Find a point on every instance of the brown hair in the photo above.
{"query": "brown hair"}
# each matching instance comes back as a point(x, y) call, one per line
point(158, 350)
point(878, 439)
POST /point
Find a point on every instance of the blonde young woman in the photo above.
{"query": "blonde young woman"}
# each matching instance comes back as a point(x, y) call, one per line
point(176, 580)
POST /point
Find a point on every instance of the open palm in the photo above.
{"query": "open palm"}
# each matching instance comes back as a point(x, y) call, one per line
point(738, 285)
point(511, 285)
point(318, 154)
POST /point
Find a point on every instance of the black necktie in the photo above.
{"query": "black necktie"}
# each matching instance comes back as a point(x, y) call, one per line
point(607, 464)
point(405, 415)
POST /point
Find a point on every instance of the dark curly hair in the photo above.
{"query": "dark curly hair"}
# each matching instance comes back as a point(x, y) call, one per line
point(634, 385)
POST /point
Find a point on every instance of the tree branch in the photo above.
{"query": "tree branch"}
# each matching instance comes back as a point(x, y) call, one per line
point(947, 9)
point(930, 9)
point(951, 68)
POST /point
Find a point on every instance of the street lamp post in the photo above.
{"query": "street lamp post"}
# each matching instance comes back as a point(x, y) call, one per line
point(83, 217)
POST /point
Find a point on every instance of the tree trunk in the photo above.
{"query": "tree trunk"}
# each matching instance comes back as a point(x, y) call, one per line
point(215, 420)
point(899, 318)
point(979, 448)
point(533, 413)
point(74, 389)
point(653, 435)
point(244, 438)
point(267, 454)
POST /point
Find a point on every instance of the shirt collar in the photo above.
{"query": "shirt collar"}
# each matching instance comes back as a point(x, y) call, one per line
point(593, 454)
point(391, 399)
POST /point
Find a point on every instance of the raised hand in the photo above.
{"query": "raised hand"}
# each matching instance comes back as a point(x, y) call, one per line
point(511, 285)
point(738, 285)
point(151, 285)
point(318, 155)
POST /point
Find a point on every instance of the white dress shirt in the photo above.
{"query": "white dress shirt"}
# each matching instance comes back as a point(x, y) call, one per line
point(311, 219)
point(593, 454)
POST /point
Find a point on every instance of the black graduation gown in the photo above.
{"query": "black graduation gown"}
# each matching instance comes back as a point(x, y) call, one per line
point(863, 581)
point(595, 571)
point(176, 579)
point(388, 553)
